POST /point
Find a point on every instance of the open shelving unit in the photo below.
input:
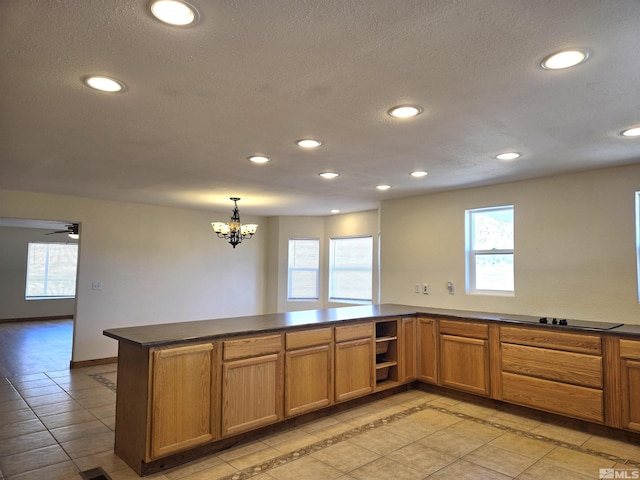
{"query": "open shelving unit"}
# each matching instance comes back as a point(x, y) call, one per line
point(386, 353)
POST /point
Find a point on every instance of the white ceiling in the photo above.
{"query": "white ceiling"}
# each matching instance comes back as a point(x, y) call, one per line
point(254, 76)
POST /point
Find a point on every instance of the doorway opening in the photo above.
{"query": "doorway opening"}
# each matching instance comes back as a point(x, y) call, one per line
point(38, 278)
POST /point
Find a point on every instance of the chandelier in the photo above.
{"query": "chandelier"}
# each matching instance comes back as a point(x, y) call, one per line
point(234, 231)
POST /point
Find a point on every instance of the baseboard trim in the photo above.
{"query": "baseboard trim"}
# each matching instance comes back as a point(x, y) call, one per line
point(36, 319)
point(92, 363)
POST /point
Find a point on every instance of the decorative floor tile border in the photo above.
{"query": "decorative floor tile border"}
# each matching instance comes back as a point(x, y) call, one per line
point(354, 432)
point(381, 422)
point(102, 380)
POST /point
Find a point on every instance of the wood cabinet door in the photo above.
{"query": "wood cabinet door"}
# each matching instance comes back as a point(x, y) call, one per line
point(427, 358)
point(353, 369)
point(464, 364)
point(308, 379)
point(631, 394)
point(182, 411)
point(251, 393)
point(408, 347)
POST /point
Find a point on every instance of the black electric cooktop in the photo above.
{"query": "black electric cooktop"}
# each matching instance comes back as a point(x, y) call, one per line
point(563, 322)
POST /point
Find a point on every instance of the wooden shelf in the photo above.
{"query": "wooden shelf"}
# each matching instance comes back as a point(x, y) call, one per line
point(386, 364)
point(385, 339)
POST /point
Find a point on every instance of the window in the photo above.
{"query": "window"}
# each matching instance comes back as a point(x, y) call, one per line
point(351, 269)
point(51, 270)
point(304, 268)
point(638, 241)
point(490, 250)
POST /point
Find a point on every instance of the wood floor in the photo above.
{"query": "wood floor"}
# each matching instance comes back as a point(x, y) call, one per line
point(33, 347)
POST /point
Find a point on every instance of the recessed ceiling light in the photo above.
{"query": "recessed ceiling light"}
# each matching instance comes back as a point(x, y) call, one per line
point(419, 174)
point(259, 159)
point(335, 210)
point(329, 174)
point(308, 143)
point(508, 156)
point(631, 132)
point(383, 187)
point(174, 12)
point(405, 111)
point(104, 84)
point(564, 59)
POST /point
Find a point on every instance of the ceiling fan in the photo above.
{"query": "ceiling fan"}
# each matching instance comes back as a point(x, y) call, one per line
point(72, 230)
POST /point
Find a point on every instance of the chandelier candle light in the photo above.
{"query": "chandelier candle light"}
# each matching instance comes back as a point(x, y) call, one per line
point(234, 231)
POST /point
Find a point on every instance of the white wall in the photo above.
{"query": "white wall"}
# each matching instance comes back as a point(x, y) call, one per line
point(14, 243)
point(574, 247)
point(156, 265)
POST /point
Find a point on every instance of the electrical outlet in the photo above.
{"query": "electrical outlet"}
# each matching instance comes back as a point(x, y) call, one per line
point(450, 288)
point(96, 285)
point(425, 288)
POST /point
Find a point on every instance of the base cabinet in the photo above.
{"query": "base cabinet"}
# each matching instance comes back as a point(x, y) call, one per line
point(173, 400)
point(251, 386)
point(464, 356)
point(630, 383)
point(353, 361)
point(308, 371)
point(427, 355)
point(408, 353)
point(183, 413)
point(559, 372)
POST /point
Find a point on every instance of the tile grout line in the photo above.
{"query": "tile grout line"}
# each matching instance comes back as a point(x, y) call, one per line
point(44, 426)
point(286, 458)
point(317, 446)
point(57, 442)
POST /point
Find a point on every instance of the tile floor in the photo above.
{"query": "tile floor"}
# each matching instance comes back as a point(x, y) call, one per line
point(55, 424)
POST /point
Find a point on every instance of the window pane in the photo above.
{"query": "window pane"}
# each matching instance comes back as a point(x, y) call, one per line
point(353, 252)
point(51, 270)
point(490, 250)
point(304, 284)
point(304, 252)
point(351, 269)
point(493, 229)
point(351, 285)
point(304, 263)
point(494, 272)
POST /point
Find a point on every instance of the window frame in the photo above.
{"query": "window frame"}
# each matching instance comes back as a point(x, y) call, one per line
point(471, 253)
point(29, 274)
point(332, 269)
point(638, 243)
point(291, 270)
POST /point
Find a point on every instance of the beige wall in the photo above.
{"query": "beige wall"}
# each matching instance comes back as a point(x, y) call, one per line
point(14, 244)
point(354, 224)
point(323, 228)
point(575, 255)
point(574, 247)
point(156, 265)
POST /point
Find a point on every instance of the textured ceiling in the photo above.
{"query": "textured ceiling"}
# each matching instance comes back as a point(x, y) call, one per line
point(254, 76)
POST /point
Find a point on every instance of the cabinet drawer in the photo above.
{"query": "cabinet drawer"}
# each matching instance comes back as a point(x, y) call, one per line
point(538, 337)
point(630, 349)
point(308, 338)
point(568, 367)
point(251, 347)
point(464, 329)
point(569, 400)
point(354, 332)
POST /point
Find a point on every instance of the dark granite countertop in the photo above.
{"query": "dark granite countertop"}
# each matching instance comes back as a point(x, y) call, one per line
point(201, 330)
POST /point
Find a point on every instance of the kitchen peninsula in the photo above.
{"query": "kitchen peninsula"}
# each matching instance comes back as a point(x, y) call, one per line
point(191, 388)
